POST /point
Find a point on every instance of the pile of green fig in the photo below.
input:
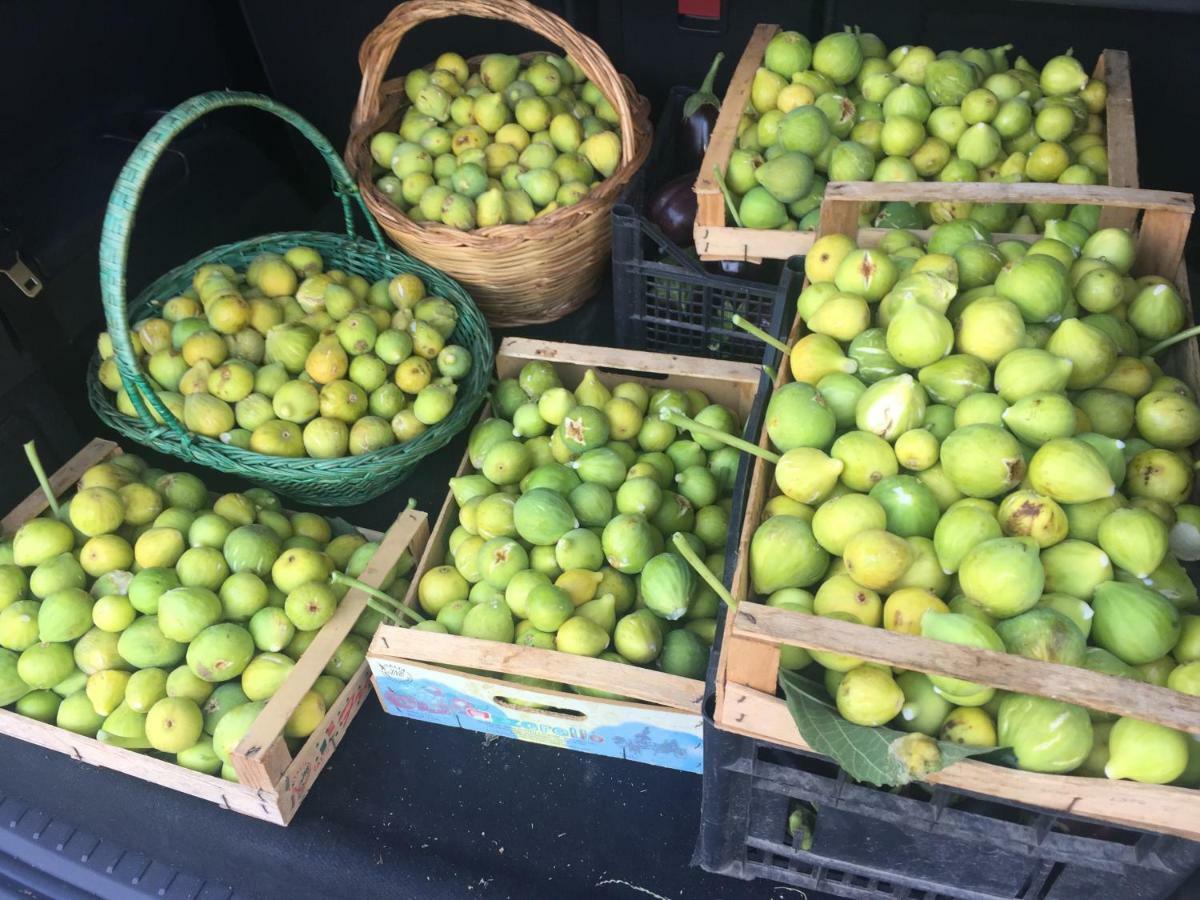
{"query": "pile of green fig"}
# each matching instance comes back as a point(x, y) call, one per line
point(979, 447)
point(846, 109)
point(574, 524)
point(504, 143)
point(288, 359)
point(153, 616)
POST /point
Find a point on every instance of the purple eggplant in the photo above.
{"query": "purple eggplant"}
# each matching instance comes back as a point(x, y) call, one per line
point(699, 118)
point(673, 208)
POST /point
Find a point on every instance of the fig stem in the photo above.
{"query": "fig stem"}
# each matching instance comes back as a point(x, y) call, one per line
point(729, 204)
point(1173, 340)
point(753, 329)
point(685, 550)
point(686, 424)
point(35, 463)
point(390, 602)
point(388, 614)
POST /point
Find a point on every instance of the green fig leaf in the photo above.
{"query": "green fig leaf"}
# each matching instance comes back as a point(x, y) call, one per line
point(871, 755)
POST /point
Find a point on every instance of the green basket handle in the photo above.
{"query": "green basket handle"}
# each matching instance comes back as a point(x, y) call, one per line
point(122, 208)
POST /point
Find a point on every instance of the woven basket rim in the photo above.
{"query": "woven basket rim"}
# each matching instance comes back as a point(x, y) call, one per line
point(435, 437)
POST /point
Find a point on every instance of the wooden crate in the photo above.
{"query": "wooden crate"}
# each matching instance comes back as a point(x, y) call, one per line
point(748, 668)
point(273, 782)
point(421, 675)
point(717, 237)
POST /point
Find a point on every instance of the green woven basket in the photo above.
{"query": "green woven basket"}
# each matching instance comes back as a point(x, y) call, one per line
point(323, 482)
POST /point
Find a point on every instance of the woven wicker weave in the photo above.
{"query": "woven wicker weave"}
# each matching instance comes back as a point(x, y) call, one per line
point(324, 482)
point(519, 274)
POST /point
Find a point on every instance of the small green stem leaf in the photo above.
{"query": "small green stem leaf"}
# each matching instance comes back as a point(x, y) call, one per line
point(35, 463)
point(685, 550)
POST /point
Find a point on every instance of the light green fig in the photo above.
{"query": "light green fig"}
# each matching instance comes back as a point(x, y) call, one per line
point(1004, 576)
point(1158, 474)
point(1076, 568)
point(868, 696)
point(952, 379)
point(1184, 535)
point(840, 518)
point(924, 710)
point(1037, 285)
point(1044, 634)
point(1040, 417)
point(1170, 579)
point(866, 459)
point(1031, 371)
point(1074, 609)
point(785, 554)
point(1045, 735)
point(869, 352)
point(955, 628)
point(841, 393)
point(1132, 622)
point(982, 460)
point(1091, 352)
point(990, 328)
point(891, 407)
point(1168, 420)
point(918, 336)
point(869, 274)
point(980, 409)
point(1157, 311)
point(876, 559)
point(1135, 540)
point(1146, 752)
point(1070, 471)
point(667, 585)
point(786, 177)
point(962, 527)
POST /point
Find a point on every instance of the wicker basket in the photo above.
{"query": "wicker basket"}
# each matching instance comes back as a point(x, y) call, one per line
point(519, 274)
point(323, 482)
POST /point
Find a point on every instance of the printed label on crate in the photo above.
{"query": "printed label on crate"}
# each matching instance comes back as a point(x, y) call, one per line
point(661, 737)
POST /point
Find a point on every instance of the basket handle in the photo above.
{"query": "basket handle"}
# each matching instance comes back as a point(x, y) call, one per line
point(122, 208)
point(1164, 231)
point(380, 45)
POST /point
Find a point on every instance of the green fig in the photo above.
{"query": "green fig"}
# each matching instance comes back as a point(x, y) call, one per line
point(1030, 371)
point(869, 351)
point(950, 380)
point(1045, 634)
point(1146, 752)
point(1004, 576)
point(1075, 568)
point(866, 459)
point(982, 460)
point(1135, 540)
point(1037, 285)
point(955, 628)
point(1070, 471)
point(909, 506)
point(891, 407)
point(1045, 735)
point(1168, 420)
point(1132, 622)
point(962, 527)
point(785, 554)
point(798, 416)
point(1041, 417)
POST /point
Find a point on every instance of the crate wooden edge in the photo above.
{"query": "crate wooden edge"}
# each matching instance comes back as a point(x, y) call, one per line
point(716, 239)
point(275, 801)
point(1151, 807)
point(747, 667)
point(660, 688)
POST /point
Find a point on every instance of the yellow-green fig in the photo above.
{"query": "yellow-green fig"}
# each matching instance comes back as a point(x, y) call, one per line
point(876, 559)
point(950, 380)
point(1045, 735)
point(891, 407)
point(842, 594)
point(1030, 371)
point(906, 607)
point(1076, 568)
point(1041, 417)
point(1029, 514)
point(962, 527)
point(866, 459)
point(1134, 623)
point(784, 554)
point(918, 335)
point(842, 317)
point(1135, 540)
point(1004, 576)
point(1158, 474)
point(868, 695)
point(839, 519)
point(955, 628)
point(1146, 752)
point(1070, 471)
point(1090, 351)
point(982, 460)
point(807, 475)
point(1168, 420)
point(1045, 634)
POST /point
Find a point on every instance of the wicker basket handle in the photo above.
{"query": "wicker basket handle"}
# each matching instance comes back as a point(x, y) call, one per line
point(122, 208)
point(380, 46)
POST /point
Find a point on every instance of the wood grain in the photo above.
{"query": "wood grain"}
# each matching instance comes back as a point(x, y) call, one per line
point(1071, 684)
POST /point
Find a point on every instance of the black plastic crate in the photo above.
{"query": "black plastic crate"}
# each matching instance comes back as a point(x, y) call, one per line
point(664, 298)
